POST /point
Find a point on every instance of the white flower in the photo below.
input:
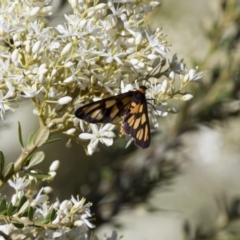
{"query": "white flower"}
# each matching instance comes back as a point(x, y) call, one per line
point(84, 218)
point(11, 90)
point(55, 94)
point(7, 229)
point(78, 203)
point(156, 44)
point(38, 29)
point(65, 208)
point(193, 76)
point(3, 106)
point(104, 135)
point(18, 183)
point(16, 197)
point(31, 91)
point(44, 209)
point(39, 199)
point(126, 88)
point(159, 88)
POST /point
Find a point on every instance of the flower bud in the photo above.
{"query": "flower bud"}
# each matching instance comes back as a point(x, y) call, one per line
point(36, 47)
point(54, 166)
point(186, 97)
point(66, 49)
point(34, 11)
point(64, 100)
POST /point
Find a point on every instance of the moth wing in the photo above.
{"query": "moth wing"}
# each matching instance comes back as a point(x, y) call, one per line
point(136, 124)
point(105, 110)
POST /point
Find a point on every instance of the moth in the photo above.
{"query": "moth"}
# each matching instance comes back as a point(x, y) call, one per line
point(131, 105)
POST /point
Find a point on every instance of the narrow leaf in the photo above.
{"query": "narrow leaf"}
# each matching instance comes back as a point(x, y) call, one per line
point(10, 209)
point(52, 140)
point(38, 175)
point(3, 204)
point(23, 199)
point(24, 207)
point(18, 224)
point(46, 220)
point(20, 135)
point(36, 159)
point(53, 215)
point(50, 216)
point(2, 161)
point(41, 136)
point(30, 213)
point(9, 170)
point(31, 137)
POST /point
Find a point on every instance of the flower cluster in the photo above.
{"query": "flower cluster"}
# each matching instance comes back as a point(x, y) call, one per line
point(101, 48)
point(31, 215)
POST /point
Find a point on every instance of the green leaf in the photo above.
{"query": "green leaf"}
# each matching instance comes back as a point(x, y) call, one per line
point(50, 216)
point(20, 135)
point(2, 161)
point(52, 140)
point(31, 137)
point(24, 208)
point(23, 199)
point(9, 170)
point(3, 204)
point(18, 224)
point(10, 209)
point(53, 214)
point(38, 175)
point(41, 136)
point(30, 213)
point(36, 159)
point(46, 220)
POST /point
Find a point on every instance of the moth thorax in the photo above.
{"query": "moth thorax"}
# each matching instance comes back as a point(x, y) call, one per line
point(142, 89)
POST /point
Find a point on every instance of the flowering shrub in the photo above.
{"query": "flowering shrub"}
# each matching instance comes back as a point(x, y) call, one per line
point(103, 49)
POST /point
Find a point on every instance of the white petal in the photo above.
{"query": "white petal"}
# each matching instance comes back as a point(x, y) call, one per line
point(90, 225)
point(107, 141)
point(94, 129)
point(172, 75)
point(92, 146)
point(186, 78)
point(106, 127)
point(11, 183)
point(86, 136)
point(109, 134)
point(191, 73)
